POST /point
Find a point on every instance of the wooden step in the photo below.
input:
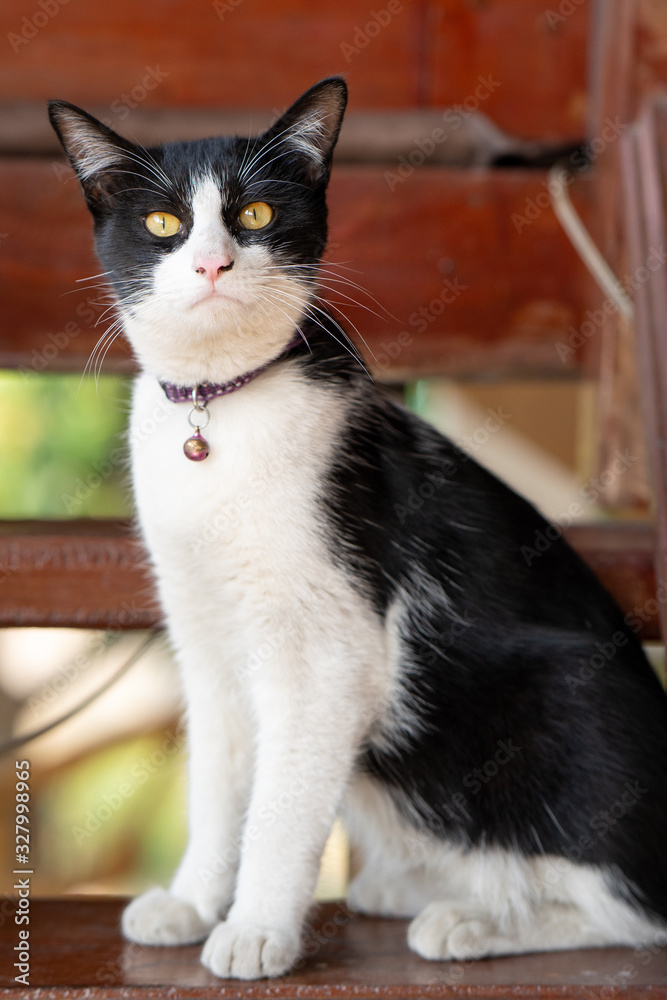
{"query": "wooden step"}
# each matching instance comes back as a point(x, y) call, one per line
point(76, 952)
point(94, 574)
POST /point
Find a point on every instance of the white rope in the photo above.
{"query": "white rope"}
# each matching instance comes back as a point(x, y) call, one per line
point(18, 741)
point(581, 240)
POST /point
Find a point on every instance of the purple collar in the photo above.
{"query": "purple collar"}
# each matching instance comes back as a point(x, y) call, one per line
point(210, 390)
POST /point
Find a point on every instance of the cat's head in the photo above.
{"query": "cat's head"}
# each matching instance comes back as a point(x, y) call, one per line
point(212, 246)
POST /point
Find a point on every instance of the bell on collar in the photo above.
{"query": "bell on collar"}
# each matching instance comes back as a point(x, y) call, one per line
point(196, 448)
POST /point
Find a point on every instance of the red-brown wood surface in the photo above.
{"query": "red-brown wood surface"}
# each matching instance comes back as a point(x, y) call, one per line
point(94, 574)
point(76, 951)
point(623, 555)
point(645, 170)
point(87, 574)
point(226, 53)
point(534, 52)
point(263, 53)
point(471, 287)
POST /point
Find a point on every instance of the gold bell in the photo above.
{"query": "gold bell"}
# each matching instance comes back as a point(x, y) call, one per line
point(196, 448)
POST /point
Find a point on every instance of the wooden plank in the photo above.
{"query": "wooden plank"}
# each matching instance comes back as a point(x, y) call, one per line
point(479, 281)
point(230, 54)
point(80, 574)
point(622, 555)
point(380, 136)
point(611, 353)
point(93, 573)
point(439, 252)
point(225, 54)
point(77, 951)
point(645, 175)
point(533, 51)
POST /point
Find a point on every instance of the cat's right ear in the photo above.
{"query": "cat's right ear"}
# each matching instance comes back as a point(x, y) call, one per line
point(310, 127)
point(97, 153)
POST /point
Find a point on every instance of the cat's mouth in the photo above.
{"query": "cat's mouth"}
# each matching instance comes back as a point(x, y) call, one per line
point(214, 296)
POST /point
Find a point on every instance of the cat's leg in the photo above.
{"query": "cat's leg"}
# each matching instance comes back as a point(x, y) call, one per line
point(477, 902)
point(389, 876)
point(219, 770)
point(446, 930)
point(312, 705)
point(580, 912)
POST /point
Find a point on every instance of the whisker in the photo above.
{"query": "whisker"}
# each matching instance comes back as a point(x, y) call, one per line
point(312, 310)
point(324, 312)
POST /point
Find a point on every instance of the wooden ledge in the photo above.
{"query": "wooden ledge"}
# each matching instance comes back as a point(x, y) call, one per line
point(94, 573)
point(83, 573)
point(76, 951)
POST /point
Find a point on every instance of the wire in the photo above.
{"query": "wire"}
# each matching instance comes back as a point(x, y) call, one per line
point(18, 741)
point(581, 240)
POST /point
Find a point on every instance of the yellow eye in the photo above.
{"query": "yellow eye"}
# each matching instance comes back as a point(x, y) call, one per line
point(256, 216)
point(162, 224)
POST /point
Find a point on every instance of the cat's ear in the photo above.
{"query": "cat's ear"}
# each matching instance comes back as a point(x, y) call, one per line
point(311, 126)
point(96, 152)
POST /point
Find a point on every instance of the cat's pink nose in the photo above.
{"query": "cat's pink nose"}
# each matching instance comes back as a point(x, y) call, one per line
point(212, 267)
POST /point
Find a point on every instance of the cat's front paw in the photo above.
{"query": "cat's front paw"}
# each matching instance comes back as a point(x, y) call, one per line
point(246, 951)
point(159, 918)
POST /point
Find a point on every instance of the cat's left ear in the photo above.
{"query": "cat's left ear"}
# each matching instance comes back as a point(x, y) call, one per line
point(311, 126)
point(96, 152)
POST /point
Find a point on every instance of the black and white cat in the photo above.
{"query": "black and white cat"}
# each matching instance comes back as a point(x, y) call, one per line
point(338, 654)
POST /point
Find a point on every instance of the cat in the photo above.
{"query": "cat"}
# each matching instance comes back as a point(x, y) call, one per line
point(344, 649)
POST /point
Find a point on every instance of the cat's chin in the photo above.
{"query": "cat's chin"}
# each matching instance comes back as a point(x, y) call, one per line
point(214, 339)
point(191, 360)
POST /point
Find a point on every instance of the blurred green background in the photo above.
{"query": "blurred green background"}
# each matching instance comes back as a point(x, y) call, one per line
point(62, 448)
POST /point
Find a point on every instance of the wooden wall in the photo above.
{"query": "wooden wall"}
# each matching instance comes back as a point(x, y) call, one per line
point(520, 289)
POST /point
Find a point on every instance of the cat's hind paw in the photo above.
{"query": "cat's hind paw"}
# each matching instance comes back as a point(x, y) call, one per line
point(159, 918)
point(245, 951)
point(442, 931)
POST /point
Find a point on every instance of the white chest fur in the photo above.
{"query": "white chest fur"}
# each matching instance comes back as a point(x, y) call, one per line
point(242, 527)
point(270, 446)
